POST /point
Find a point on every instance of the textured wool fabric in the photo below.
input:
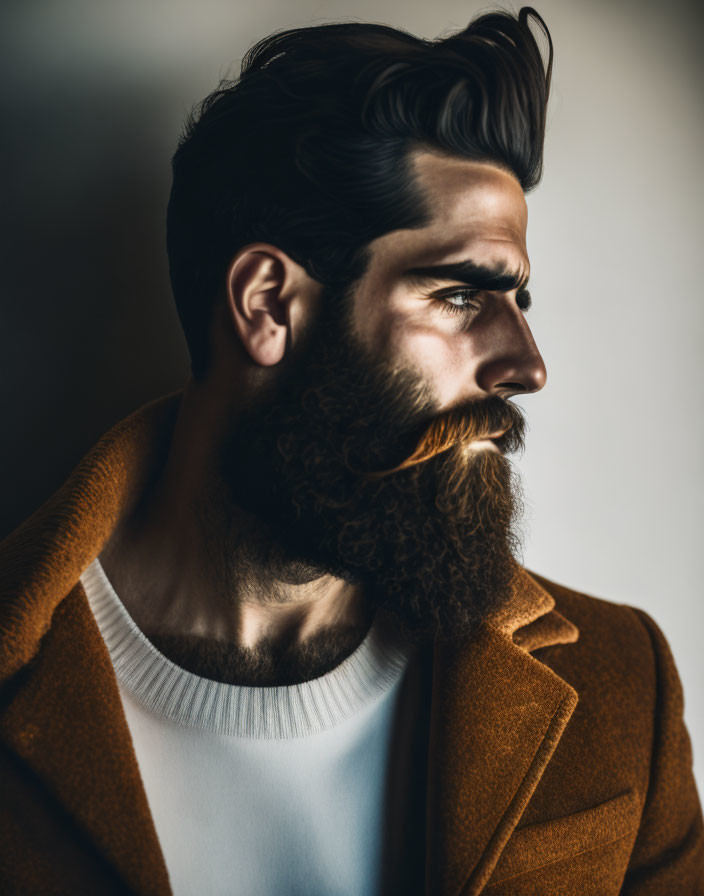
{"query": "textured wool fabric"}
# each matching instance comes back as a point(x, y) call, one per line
point(558, 761)
point(285, 786)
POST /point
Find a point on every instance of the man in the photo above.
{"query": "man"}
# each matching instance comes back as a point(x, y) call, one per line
point(272, 636)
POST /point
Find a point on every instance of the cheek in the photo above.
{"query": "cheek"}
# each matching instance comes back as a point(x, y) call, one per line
point(412, 335)
point(444, 359)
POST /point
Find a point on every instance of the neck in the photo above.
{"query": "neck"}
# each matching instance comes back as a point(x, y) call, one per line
point(193, 570)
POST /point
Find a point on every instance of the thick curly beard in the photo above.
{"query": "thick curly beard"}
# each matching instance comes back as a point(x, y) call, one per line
point(335, 463)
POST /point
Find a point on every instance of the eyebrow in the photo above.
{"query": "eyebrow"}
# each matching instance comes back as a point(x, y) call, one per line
point(493, 278)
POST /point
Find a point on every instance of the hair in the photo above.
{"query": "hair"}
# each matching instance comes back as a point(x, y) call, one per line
point(309, 148)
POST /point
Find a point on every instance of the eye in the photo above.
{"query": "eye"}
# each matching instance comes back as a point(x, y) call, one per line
point(459, 301)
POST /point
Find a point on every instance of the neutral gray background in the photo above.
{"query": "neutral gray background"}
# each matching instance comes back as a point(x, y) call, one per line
point(92, 100)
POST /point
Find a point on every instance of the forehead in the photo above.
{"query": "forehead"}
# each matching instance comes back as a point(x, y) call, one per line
point(478, 212)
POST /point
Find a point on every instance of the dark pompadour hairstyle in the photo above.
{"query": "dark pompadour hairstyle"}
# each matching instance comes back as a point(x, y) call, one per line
point(308, 148)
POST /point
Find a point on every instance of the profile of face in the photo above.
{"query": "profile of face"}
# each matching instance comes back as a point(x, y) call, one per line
point(380, 454)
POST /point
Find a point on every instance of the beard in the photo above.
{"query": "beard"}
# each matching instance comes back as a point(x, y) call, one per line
point(350, 470)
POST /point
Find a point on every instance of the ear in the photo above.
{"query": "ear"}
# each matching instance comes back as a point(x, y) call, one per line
point(266, 293)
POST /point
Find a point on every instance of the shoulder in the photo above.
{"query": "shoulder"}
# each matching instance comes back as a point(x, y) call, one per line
point(621, 662)
point(609, 627)
point(621, 666)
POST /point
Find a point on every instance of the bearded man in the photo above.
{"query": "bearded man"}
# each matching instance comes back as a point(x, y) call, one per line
point(272, 635)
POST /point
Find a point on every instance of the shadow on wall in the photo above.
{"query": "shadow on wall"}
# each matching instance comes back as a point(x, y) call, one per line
point(89, 331)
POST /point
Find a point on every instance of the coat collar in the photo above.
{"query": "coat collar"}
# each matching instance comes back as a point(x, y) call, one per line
point(497, 712)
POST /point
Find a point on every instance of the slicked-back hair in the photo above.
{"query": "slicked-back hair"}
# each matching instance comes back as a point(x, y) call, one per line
point(309, 148)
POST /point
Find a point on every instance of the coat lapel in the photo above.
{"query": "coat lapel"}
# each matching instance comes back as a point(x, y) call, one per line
point(497, 713)
point(61, 710)
point(67, 724)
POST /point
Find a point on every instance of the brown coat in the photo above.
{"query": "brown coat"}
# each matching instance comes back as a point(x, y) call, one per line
point(559, 762)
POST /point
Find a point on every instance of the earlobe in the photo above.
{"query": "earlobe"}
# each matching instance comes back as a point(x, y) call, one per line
point(257, 298)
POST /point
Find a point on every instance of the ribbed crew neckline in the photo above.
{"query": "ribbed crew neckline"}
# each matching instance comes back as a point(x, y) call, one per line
point(282, 711)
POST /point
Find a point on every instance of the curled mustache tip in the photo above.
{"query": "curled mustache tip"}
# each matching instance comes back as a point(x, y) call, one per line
point(440, 436)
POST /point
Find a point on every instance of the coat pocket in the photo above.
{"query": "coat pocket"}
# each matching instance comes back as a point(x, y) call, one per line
point(547, 842)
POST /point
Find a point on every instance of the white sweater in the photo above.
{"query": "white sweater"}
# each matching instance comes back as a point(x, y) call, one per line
point(308, 789)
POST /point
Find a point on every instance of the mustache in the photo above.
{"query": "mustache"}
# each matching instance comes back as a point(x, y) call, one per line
point(494, 417)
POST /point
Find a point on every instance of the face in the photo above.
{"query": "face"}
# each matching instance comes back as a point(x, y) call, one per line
point(369, 458)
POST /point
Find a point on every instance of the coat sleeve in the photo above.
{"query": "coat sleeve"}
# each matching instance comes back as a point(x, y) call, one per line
point(668, 853)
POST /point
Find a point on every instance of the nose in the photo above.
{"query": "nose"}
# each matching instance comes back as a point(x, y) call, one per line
point(511, 363)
